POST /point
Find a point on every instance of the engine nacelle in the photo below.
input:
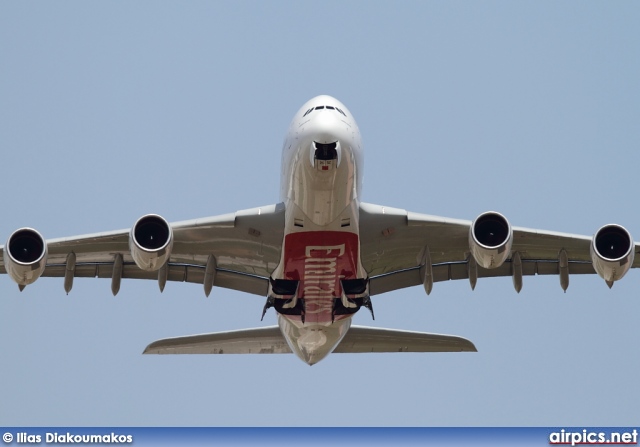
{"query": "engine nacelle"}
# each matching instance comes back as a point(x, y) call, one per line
point(612, 252)
point(150, 242)
point(25, 256)
point(490, 239)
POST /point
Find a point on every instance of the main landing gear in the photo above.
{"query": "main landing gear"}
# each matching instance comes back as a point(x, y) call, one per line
point(295, 305)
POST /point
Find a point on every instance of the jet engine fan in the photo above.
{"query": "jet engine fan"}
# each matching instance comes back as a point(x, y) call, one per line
point(25, 256)
point(612, 252)
point(490, 239)
point(150, 242)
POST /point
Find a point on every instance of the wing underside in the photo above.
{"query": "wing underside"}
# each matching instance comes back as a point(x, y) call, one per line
point(394, 241)
point(247, 247)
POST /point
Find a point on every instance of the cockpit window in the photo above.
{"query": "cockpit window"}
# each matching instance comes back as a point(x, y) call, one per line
point(322, 108)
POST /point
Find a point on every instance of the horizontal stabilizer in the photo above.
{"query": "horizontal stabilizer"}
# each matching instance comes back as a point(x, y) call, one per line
point(269, 340)
point(264, 340)
point(373, 339)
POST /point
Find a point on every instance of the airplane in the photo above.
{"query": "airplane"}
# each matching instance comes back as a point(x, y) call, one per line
point(320, 254)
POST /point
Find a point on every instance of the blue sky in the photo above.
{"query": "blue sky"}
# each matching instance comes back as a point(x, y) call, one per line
point(110, 110)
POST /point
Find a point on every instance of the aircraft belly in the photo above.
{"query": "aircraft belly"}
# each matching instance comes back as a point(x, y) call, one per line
point(320, 260)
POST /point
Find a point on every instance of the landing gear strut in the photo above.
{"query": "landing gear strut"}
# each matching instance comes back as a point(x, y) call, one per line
point(270, 302)
point(366, 302)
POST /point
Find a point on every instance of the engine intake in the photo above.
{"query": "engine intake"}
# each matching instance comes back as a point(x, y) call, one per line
point(490, 239)
point(612, 252)
point(25, 256)
point(150, 242)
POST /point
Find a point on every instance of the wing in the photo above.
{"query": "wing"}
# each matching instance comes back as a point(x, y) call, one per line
point(269, 340)
point(246, 245)
point(393, 245)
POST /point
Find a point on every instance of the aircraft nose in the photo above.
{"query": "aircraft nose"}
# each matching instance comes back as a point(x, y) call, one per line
point(326, 132)
point(325, 127)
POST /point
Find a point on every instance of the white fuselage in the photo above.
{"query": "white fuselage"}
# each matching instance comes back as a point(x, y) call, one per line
point(322, 165)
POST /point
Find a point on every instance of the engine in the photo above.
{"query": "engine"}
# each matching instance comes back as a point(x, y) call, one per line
point(150, 242)
point(25, 256)
point(490, 239)
point(612, 252)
